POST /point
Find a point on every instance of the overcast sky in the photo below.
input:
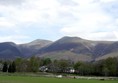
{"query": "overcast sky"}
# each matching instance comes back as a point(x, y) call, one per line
point(23, 21)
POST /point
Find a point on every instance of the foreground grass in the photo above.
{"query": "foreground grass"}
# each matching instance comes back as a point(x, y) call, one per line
point(26, 79)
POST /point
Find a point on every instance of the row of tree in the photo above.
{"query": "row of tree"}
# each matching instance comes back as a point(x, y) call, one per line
point(107, 67)
point(11, 68)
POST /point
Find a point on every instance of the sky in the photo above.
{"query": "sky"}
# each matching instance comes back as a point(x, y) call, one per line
point(23, 21)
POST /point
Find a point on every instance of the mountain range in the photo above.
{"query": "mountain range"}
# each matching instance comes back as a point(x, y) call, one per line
point(70, 48)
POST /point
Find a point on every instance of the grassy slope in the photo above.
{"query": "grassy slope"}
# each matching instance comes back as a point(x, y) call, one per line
point(114, 54)
point(26, 79)
point(68, 55)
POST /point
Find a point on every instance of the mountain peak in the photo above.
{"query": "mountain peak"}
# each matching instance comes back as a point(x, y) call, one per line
point(9, 43)
point(38, 41)
point(68, 39)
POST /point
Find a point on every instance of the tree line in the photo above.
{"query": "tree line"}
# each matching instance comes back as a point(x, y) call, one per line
point(106, 67)
point(11, 68)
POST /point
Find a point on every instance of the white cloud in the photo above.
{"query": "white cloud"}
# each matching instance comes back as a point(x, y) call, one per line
point(107, 1)
point(94, 23)
point(103, 36)
point(5, 23)
point(84, 18)
point(38, 11)
point(83, 2)
point(14, 38)
point(33, 11)
point(11, 2)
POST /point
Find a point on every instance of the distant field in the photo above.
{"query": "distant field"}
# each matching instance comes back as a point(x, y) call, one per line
point(28, 79)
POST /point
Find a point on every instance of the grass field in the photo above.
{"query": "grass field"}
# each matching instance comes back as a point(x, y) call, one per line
point(26, 79)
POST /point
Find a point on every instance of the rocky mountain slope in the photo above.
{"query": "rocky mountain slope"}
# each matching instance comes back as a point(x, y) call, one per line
point(75, 48)
point(29, 49)
point(9, 50)
point(71, 48)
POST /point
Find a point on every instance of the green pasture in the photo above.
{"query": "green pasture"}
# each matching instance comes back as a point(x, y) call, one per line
point(29, 79)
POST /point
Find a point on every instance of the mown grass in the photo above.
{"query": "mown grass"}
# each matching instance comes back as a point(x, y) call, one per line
point(29, 79)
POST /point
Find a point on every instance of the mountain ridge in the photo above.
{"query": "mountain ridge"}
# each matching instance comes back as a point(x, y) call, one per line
point(73, 48)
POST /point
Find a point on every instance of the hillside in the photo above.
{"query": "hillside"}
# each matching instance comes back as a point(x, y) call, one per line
point(30, 48)
point(9, 50)
point(71, 48)
point(75, 48)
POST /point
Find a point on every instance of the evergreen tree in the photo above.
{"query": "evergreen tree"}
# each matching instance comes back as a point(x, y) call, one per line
point(10, 68)
point(13, 67)
point(5, 67)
